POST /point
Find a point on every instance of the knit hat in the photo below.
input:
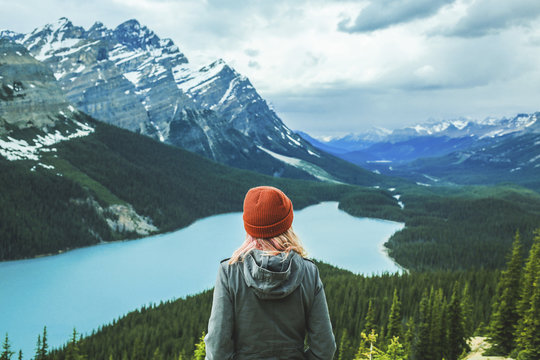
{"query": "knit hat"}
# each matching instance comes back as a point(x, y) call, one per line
point(268, 212)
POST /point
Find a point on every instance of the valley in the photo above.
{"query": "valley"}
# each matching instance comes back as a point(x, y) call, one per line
point(111, 134)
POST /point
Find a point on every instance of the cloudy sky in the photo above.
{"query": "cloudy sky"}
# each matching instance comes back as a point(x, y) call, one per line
point(333, 67)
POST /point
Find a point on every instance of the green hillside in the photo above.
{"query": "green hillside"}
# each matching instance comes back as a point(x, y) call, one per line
point(66, 202)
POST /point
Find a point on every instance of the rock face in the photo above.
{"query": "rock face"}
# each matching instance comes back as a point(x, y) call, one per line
point(29, 95)
point(131, 78)
point(35, 115)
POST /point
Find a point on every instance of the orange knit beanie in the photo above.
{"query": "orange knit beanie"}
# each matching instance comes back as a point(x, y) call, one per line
point(268, 212)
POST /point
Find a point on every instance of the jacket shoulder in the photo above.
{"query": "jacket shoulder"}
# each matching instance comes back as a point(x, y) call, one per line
point(227, 259)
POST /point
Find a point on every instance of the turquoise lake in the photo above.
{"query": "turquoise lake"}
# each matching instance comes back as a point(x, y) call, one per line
point(88, 287)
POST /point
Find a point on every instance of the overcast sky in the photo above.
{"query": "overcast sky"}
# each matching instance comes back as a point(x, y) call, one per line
point(333, 67)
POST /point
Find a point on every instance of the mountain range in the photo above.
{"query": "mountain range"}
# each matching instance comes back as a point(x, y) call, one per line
point(69, 180)
point(131, 78)
point(461, 151)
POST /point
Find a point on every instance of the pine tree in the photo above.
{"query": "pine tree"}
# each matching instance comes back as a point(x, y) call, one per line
point(529, 339)
point(530, 274)
point(138, 350)
point(20, 355)
point(369, 322)
point(43, 349)
point(345, 350)
point(200, 349)
point(467, 307)
point(157, 354)
point(394, 320)
point(422, 346)
point(38, 348)
point(505, 316)
point(395, 350)
point(6, 349)
point(72, 350)
point(437, 324)
point(409, 337)
point(456, 332)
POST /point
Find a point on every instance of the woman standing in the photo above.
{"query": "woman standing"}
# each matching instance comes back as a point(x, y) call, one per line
point(269, 301)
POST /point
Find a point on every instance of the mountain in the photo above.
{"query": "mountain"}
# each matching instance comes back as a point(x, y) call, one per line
point(432, 139)
point(462, 151)
point(129, 77)
point(513, 158)
point(68, 180)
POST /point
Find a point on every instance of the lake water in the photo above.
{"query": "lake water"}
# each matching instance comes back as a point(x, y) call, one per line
point(88, 287)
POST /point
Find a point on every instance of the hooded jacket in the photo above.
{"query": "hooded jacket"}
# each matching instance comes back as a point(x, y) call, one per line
point(265, 306)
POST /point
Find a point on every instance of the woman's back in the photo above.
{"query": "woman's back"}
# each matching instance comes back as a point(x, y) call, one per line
point(269, 300)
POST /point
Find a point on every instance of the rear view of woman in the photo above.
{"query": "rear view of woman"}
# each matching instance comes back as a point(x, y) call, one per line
point(269, 301)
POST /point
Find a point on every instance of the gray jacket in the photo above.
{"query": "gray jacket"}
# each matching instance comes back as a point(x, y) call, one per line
point(264, 307)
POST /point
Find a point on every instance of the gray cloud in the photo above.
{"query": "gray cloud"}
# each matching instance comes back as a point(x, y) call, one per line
point(251, 52)
point(381, 14)
point(254, 64)
point(491, 16)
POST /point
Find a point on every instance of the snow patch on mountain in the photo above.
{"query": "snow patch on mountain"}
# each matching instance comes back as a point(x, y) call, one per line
point(308, 167)
point(19, 149)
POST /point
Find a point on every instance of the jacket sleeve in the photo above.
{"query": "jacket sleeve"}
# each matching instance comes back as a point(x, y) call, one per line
point(219, 340)
point(320, 337)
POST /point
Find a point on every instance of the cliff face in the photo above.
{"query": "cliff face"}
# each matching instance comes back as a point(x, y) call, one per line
point(29, 96)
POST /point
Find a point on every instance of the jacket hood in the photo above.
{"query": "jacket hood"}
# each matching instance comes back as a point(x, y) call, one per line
point(273, 277)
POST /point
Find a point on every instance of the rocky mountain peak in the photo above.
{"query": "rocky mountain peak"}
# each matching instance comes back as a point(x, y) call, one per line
point(98, 31)
point(131, 34)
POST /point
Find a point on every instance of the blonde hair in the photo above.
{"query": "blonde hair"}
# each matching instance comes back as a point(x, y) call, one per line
point(285, 242)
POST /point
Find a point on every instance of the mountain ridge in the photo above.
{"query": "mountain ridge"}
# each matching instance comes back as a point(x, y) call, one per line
point(131, 78)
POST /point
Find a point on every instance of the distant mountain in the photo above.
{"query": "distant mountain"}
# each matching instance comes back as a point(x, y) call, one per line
point(461, 151)
point(426, 140)
point(513, 158)
point(129, 77)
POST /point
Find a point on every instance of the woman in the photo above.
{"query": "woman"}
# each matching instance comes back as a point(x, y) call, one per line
point(269, 300)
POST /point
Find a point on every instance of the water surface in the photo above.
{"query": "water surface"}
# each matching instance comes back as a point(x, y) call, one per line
point(88, 287)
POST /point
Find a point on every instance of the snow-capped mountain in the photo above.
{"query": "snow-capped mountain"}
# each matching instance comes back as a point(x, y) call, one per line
point(511, 158)
point(36, 117)
point(430, 139)
point(34, 113)
point(131, 78)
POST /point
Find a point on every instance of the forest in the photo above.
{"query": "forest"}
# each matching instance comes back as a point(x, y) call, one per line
point(381, 310)
point(453, 246)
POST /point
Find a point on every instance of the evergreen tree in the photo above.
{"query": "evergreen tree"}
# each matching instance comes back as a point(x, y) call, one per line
point(456, 332)
point(395, 351)
point(370, 323)
point(138, 350)
point(6, 349)
point(157, 354)
point(394, 320)
point(438, 323)
point(38, 348)
point(467, 307)
point(200, 349)
point(44, 345)
point(530, 274)
point(505, 315)
point(345, 350)
point(529, 339)
point(72, 350)
point(409, 337)
point(20, 355)
point(422, 345)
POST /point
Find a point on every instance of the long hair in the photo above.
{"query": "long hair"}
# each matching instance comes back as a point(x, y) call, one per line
point(286, 242)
